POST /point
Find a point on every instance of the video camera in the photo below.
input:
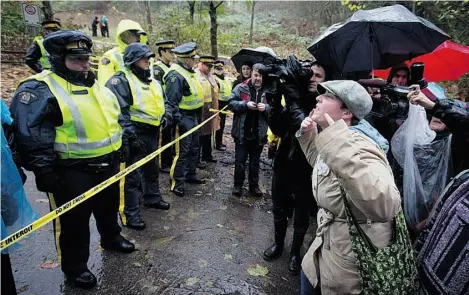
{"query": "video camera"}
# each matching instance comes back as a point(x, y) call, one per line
point(393, 101)
point(289, 68)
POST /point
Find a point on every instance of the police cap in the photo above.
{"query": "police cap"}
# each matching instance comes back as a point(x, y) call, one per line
point(219, 64)
point(70, 43)
point(136, 51)
point(51, 24)
point(186, 50)
point(207, 59)
point(166, 44)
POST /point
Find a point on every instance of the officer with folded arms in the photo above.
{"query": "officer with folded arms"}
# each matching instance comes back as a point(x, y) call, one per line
point(143, 108)
point(69, 134)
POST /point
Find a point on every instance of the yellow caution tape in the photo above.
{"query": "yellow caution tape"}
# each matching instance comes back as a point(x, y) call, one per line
point(27, 230)
point(220, 111)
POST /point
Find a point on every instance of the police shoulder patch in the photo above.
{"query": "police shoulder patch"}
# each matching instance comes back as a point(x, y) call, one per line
point(105, 61)
point(172, 79)
point(115, 81)
point(25, 97)
point(156, 72)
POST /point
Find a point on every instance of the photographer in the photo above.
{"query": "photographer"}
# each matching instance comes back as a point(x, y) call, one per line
point(399, 75)
point(292, 172)
point(455, 115)
point(249, 131)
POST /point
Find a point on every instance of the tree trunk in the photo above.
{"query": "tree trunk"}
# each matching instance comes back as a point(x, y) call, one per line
point(192, 11)
point(47, 9)
point(252, 22)
point(148, 15)
point(213, 29)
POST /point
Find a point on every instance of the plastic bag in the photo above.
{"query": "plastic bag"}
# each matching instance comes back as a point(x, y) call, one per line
point(425, 163)
point(16, 211)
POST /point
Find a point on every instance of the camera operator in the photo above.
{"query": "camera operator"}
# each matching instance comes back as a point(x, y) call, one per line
point(399, 75)
point(292, 172)
point(455, 115)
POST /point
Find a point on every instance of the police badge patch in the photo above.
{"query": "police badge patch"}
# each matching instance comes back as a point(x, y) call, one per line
point(172, 79)
point(105, 61)
point(25, 97)
point(114, 81)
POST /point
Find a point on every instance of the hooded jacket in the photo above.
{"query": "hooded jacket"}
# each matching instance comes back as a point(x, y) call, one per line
point(113, 60)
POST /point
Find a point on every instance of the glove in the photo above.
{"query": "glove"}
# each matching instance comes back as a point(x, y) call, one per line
point(124, 152)
point(47, 181)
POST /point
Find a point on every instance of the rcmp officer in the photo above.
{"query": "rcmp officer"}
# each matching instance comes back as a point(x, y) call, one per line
point(37, 57)
point(128, 32)
point(210, 101)
point(185, 95)
point(165, 58)
point(69, 135)
point(225, 87)
point(159, 69)
point(143, 107)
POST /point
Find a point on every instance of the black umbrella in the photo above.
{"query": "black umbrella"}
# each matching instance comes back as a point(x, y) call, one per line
point(263, 55)
point(376, 39)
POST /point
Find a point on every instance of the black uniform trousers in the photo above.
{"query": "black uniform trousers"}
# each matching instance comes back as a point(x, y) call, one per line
point(253, 150)
point(8, 281)
point(145, 178)
point(72, 229)
point(167, 135)
point(292, 191)
point(219, 132)
point(206, 146)
point(187, 150)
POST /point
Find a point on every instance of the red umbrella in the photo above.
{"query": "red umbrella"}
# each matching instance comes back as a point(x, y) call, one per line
point(447, 62)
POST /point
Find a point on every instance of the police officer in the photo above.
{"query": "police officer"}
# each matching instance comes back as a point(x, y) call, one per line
point(204, 74)
point(143, 107)
point(69, 135)
point(128, 32)
point(185, 95)
point(165, 58)
point(37, 57)
point(225, 87)
point(160, 68)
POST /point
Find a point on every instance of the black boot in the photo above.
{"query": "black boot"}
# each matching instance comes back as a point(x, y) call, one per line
point(275, 251)
point(294, 265)
point(84, 280)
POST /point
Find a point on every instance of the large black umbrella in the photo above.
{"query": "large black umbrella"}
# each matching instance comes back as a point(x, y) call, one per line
point(263, 55)
point(376, 39)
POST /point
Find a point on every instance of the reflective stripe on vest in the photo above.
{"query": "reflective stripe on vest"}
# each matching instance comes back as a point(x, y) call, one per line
point(206, 86)
point(119, 59)
point(44, 60)
point(162, 66)
point(196, 99)
point(90, 121)
point(225, 89)
point(148, 105)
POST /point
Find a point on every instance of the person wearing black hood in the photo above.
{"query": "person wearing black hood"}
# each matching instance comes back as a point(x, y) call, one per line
point(292, 172)
point(143, 106)
point(69, 133)
point(399, 75)
point(244, 74)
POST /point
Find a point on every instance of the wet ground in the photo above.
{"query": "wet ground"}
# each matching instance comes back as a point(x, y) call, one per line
point(209, 242)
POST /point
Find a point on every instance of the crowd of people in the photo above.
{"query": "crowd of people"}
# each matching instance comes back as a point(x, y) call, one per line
point(330, 163)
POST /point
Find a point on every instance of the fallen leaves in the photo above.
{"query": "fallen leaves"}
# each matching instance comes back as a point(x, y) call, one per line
point(163, 241)
point(192, 281)
point(49, 264)
point(228, 257)
point(257, 271)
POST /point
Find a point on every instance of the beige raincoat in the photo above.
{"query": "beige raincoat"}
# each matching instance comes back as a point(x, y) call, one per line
point(210, 102)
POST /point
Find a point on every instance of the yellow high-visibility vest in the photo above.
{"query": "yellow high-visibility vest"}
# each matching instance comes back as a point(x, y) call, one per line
point(225, 88)
point(207, 87)
point(196, 99)
point(148, 102)
point(90, 118)
point(44, 60)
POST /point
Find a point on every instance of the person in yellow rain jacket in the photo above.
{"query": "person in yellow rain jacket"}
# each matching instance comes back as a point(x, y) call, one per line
point(143, 107)
point(37, 57)
point(128, 32)
point(225, 85)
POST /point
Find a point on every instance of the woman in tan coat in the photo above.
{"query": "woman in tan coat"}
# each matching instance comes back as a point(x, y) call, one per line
point(350, 152)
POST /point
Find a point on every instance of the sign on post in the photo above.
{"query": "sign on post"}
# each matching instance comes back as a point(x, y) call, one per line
point(31, 14)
